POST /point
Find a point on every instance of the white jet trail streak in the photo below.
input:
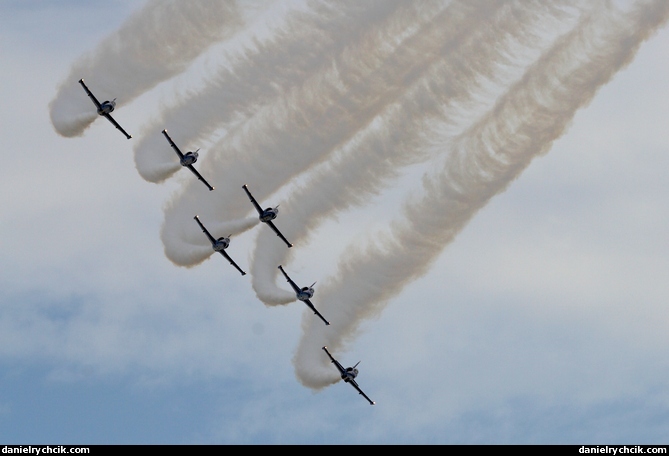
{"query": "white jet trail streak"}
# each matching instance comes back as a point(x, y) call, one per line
point(291, 134)
point(366, 164)
point(154, 44)
point(264, 70)
point(482, 163)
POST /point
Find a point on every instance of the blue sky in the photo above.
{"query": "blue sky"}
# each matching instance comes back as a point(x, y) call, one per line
point(544, 321)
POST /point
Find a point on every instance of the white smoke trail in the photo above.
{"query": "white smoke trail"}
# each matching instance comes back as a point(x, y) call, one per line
point(484, 160)
point(287, 128)
point(364, 165)
point(154, 44)
point(262, 70)
point(298, 131)
point(252, 162)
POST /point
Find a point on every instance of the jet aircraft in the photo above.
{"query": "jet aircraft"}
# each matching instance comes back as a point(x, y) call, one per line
point(219, 245)
point(187, 159)
point(267, 215)
point(104, 109)
point(304, 294)
point(348, 374)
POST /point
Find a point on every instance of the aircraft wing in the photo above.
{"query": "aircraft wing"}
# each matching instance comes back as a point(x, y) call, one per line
point(192, 168)
point(174, 146)
point(90, 94)
point(204, 230)
point(253, 200)
point(292, 284)
point(335, 362)
point(355, 385)
point(307, 302)
point(278, 233)
point(227, 257)
point(111, 119)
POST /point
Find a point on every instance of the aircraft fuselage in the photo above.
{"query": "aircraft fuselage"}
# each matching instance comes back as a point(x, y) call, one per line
point(269, 214)
point(106, 107)
point(350, 374)
point(221, 243)
point(305, 293)
point(188, 158)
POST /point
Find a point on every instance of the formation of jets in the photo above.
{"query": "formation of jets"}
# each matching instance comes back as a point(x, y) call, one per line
point(220, 244)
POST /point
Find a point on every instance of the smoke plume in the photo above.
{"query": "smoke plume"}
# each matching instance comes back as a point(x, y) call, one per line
point(332, 101)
